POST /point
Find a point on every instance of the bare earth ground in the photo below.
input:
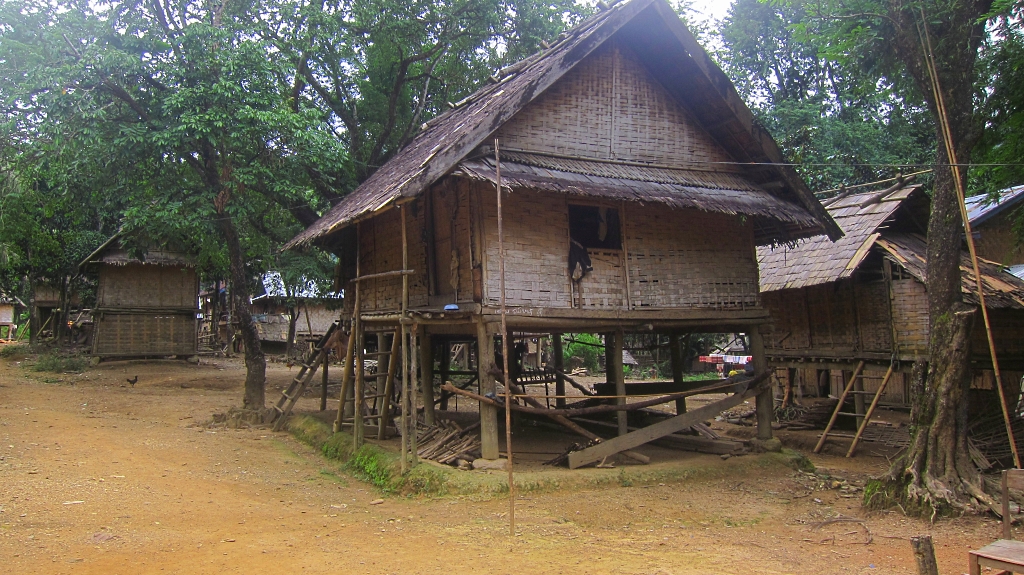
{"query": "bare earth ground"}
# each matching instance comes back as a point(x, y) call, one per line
point(100, 477)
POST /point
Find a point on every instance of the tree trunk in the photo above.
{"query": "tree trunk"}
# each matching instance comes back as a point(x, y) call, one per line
point(936, 474)
point(33, 313)
point(293, 318)
point(255, 362)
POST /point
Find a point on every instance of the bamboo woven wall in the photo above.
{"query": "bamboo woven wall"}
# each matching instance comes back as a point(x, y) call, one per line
point(677, 258)
point(610, 107)
point(689, 258)
point(536, 249)
point(873, 323)
point(910, 316)
point(380, 250)
point(453, 255)
point(138, 286)
point(996, 241)
point(142, 334)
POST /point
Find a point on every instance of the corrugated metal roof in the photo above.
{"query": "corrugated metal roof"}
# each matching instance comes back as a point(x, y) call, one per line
point(450, 137)
point(817, 260)
point(985, 206)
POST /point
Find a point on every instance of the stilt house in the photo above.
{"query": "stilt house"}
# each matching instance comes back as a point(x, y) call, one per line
point(636, 185)
point(992, 223)
point(863, 298)
point(270, 309)
point(145, 306)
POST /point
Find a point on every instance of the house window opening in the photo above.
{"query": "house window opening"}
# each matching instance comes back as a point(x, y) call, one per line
point(595, 227)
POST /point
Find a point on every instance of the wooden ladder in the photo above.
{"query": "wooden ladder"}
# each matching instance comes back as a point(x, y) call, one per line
point(866, 417)
point(297, 387)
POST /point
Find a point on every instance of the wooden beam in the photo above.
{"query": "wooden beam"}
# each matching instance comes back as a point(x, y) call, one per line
point(676, 358)
point(765, 406)
point(660, 429)
point(488, 413)
point(427, 375)
point(556, 349)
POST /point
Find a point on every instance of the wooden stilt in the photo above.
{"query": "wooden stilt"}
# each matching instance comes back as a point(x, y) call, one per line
point(839, 407)
point(383, 358)
point(445, 362)
point(488, 414)
point(323, 383)
point(359, 394)
point(765, 404)
point(405, 345)
point(676, 358)
point(613, 365)
point(346, 381)
point(871, 411)
point(414, 342)
point(558, 360)
point(427, 376)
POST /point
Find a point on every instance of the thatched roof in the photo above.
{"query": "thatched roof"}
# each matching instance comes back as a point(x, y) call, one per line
point(1002, 289)
point(817, 260)
point(113, 253)
point(672, 54)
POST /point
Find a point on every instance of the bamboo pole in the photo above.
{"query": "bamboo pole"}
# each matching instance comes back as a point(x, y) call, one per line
point(871, 411)
point(357, 335)
point(504, 349)
point(405, 346)
point(414, 340)
point(839, 407)
point(389, 386)
point(947, 139)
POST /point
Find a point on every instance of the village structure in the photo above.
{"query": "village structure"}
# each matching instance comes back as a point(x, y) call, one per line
point(146, 306)
point(636, 187)
point(272, 310)
point(992, 227)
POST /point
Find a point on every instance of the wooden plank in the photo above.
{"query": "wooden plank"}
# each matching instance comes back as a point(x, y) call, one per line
point(660, 429)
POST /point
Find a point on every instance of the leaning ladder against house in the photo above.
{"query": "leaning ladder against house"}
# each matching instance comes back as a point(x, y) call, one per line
point(297, 387)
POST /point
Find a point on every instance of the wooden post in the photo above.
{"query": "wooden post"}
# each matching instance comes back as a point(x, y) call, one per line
point(389, 386)
point(676, 357)
point(445, 363)
point(323, 383)
point(558, 360)
point(346, 379)
point(924, 555)
point(427, 376)
point(383, 358)
point(414, 341)
point(765, 405)
point(613, 368)
point(406, 400)
point(488, 413)
point(360, 387)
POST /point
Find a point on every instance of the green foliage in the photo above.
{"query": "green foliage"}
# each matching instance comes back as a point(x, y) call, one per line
point(584, 346)
point(58, 362)
point(828, 108)
point(13, 350)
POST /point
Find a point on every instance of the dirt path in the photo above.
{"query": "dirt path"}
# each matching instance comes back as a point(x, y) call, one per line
point(99, 477)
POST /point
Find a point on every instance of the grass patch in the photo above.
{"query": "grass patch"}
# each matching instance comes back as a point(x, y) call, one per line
point(13, 350)
point(56, 362)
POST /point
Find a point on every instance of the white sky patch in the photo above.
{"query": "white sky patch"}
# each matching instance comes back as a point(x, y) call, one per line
point(712, 9)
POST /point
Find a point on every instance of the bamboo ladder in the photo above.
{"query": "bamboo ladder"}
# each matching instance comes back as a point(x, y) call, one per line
point(297, 387)
point(382, 400)
point(847, 390)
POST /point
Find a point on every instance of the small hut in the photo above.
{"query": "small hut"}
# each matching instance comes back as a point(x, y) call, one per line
point(8, 327)
point(992, 223)
point(145, 306)
point(635, 187)
point(273, 308)
point(863, 299)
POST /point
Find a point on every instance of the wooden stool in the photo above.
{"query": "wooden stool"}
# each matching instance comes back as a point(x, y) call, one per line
point(1005, 554)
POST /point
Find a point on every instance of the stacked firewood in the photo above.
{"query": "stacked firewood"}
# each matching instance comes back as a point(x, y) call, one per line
point(447, 442)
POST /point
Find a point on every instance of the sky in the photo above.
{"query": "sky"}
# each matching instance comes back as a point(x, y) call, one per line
point(712, 9)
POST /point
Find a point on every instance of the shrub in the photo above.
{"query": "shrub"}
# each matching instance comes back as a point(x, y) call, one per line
point(57, 362)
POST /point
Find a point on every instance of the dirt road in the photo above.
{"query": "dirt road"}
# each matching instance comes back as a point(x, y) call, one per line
point(97, 476)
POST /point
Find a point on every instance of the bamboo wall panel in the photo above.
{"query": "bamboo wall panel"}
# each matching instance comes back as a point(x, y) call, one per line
point(380, 250)
point(910, 316)
point(135, 334)
point(1007, 331)
point(874, 329)
point(452, 252)
point(689, 258)
point(996, 241)
point(610, 107)
point(536, 249)
point(139, 285)
point(789, 329)
point(605, 287)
